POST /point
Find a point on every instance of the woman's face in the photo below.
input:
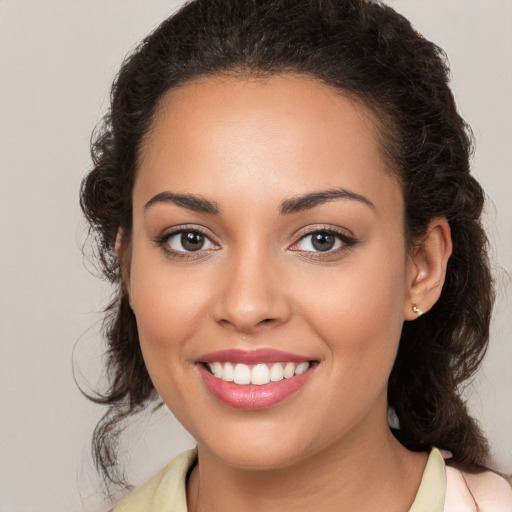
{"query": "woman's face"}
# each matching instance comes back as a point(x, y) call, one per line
point(268, 248)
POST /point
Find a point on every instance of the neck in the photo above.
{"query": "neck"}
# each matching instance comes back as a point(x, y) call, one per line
point(368, 473)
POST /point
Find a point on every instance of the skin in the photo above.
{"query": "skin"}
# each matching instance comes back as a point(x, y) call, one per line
point(249, 145)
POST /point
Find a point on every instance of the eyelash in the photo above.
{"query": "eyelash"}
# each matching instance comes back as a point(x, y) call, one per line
point(347, 242)
point(162, 242)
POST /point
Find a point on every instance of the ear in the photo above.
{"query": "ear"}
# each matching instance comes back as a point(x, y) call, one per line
point(426, 269)
point(122, 252)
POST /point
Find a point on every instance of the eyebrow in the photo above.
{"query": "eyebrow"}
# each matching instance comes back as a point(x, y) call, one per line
point(190, 201)
point(309, 201)
point(296, 204)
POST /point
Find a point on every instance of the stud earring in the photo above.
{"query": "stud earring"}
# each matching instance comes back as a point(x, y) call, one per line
point(417, 310)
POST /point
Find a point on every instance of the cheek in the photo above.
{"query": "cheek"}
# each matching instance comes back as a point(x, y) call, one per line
point(168, 311)
point(168, 306)
point(358, 311)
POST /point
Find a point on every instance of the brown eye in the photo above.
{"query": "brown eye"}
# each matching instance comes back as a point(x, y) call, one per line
point(188, 241)
point(322, 241)
point(192, 241)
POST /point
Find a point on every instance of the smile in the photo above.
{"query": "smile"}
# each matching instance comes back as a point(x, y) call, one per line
point(259, 374)
point(254, 379)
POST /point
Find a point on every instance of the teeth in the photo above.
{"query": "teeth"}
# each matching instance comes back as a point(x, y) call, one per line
point(217, 370)
point(228, 373)
point(301, 368)
point(289, 370)
point(276, 372)
point(242, 374)
point(258, 374)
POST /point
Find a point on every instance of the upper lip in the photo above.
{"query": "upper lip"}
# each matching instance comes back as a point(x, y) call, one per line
point(248, 356)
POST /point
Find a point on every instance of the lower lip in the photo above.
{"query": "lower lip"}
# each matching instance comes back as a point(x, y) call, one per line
point(251, 396)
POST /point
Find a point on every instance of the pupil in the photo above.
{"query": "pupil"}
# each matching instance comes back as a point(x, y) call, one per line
point(192, 241)
point(323, 241)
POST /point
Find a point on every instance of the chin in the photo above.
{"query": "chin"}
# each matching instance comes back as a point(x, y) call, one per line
point(256, 459)
point(259, 446)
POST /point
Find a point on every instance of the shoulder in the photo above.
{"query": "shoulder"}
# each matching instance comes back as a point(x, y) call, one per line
point(168, 486)
point(488, 490)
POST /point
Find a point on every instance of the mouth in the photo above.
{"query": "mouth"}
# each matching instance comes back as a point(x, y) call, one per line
point(254, 379)
point(259, 374)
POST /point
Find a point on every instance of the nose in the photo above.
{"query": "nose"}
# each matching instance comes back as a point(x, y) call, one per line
point(252, 295)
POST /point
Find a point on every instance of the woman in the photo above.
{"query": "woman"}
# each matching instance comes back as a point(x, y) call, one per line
point(282, 193)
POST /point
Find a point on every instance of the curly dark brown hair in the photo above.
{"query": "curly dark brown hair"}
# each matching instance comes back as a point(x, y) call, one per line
point(362, 48)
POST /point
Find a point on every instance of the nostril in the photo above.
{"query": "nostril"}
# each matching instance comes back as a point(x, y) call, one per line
point(266, 321)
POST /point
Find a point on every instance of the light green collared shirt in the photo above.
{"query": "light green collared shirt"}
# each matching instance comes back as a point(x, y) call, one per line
point(166, 491)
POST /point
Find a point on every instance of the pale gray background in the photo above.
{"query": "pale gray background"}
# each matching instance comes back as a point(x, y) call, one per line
point(57, 59)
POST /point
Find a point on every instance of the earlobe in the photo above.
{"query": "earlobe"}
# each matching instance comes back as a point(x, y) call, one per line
point(118, 246)
point(427, 269)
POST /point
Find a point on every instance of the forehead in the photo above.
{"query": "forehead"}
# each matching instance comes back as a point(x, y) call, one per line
point(283, 135)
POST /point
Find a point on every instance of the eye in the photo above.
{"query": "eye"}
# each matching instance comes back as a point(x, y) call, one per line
point(323, 241)
point(320, 241)
point(188, 241)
